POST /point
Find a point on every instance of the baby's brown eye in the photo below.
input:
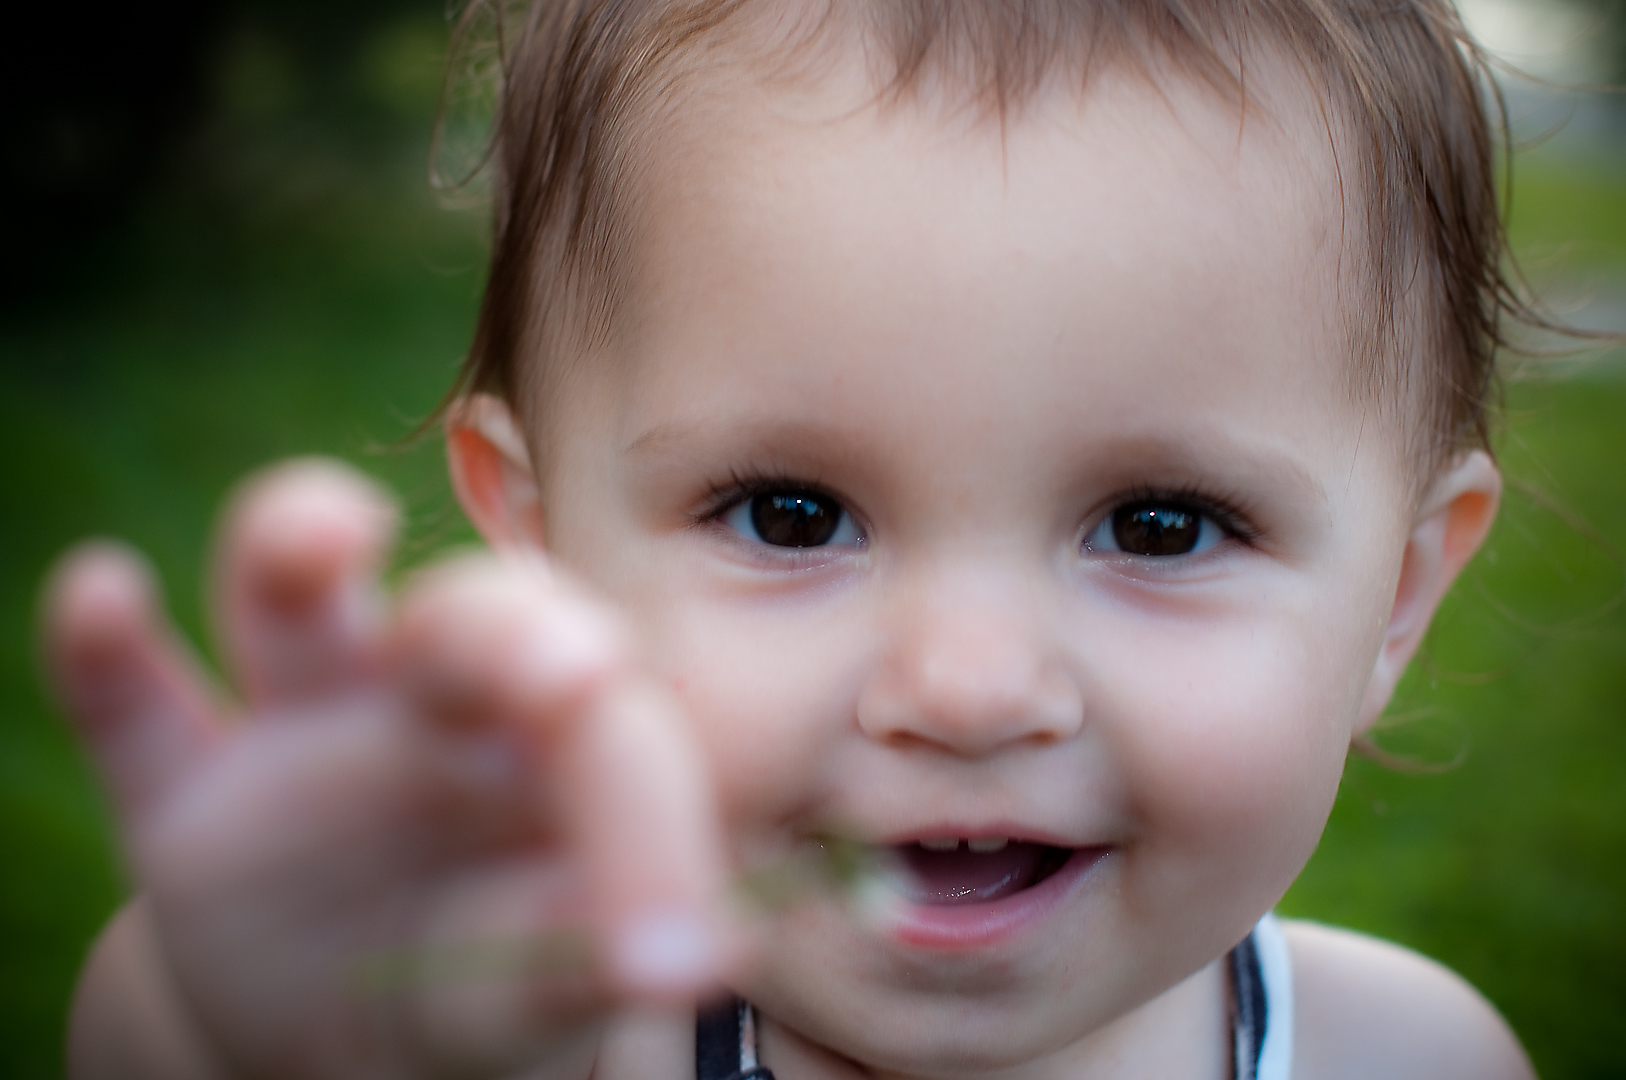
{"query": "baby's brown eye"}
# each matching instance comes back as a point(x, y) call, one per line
point(793, 519)
point(1155, 529)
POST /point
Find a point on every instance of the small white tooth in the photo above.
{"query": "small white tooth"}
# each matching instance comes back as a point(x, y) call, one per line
point(941, 843)
point(988, 844)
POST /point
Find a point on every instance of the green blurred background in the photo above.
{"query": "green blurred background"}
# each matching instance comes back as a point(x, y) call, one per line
point(221, 250)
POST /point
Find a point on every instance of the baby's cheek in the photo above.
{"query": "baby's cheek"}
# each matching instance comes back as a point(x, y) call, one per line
point(1231, 780)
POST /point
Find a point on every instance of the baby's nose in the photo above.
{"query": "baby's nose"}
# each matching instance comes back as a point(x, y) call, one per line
point(971, 680)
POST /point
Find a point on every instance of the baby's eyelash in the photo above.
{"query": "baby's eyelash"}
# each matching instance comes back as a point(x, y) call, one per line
point(723, 495)
point(1229, 512)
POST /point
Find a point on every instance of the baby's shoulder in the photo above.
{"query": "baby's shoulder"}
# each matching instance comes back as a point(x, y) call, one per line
point(1368, 1008)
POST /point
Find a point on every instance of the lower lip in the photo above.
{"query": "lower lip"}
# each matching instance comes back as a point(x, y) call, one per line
point(968, 927)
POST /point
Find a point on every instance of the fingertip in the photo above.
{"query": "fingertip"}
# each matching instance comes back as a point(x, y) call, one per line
point(296, 527)
point(321, 498)
point(100, 594)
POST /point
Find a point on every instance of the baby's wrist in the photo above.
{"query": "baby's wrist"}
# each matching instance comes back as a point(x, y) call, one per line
point(129, 1018)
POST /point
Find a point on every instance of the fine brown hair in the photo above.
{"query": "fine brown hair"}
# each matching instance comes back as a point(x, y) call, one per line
point(581, 81)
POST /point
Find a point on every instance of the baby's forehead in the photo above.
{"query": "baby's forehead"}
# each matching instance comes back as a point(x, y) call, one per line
point(740, 118)
point(1280, 145)
point(1156, 169)
point(1140, 142)
point(1102, 246)
point(831, 86)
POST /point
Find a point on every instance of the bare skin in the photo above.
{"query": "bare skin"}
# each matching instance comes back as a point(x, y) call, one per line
point(977, 348)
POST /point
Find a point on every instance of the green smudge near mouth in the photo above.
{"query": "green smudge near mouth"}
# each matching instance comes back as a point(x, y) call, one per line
point(831, 865)
point(557, 952)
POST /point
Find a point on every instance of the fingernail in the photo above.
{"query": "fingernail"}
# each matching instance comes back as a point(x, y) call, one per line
point(665, 951)
point(101, 593)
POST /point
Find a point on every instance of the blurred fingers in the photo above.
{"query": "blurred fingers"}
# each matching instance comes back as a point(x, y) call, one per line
point(132, 688)
point(502, 642)
point(297, 599)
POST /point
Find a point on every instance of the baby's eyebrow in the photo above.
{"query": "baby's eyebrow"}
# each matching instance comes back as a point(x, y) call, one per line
point(785, 433)
point(1243, 460)
point(658, 439)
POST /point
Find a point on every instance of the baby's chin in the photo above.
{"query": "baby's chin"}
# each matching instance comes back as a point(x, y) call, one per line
point(903, 975)
point(992, 1023)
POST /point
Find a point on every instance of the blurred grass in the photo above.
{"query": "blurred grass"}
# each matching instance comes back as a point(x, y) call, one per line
point(1510, 864)
point(1570, 213)
point(293, 289)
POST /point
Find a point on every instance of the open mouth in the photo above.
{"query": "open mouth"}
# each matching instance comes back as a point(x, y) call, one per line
point(952, 872)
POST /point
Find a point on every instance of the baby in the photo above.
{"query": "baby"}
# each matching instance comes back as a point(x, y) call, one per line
point(1012, 449)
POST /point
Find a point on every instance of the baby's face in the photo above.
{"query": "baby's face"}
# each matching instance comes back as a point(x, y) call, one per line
point(995, 489)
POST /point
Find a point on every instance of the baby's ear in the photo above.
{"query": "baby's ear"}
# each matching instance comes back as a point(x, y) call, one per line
point(1450, 524)
point(491, 472)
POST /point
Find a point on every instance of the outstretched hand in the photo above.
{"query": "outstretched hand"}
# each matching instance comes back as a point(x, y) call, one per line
point(473, 768)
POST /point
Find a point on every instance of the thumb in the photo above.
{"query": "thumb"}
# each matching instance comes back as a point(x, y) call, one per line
point(635, 785)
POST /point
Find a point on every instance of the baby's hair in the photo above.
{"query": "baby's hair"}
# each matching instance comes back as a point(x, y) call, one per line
point(585, 83)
